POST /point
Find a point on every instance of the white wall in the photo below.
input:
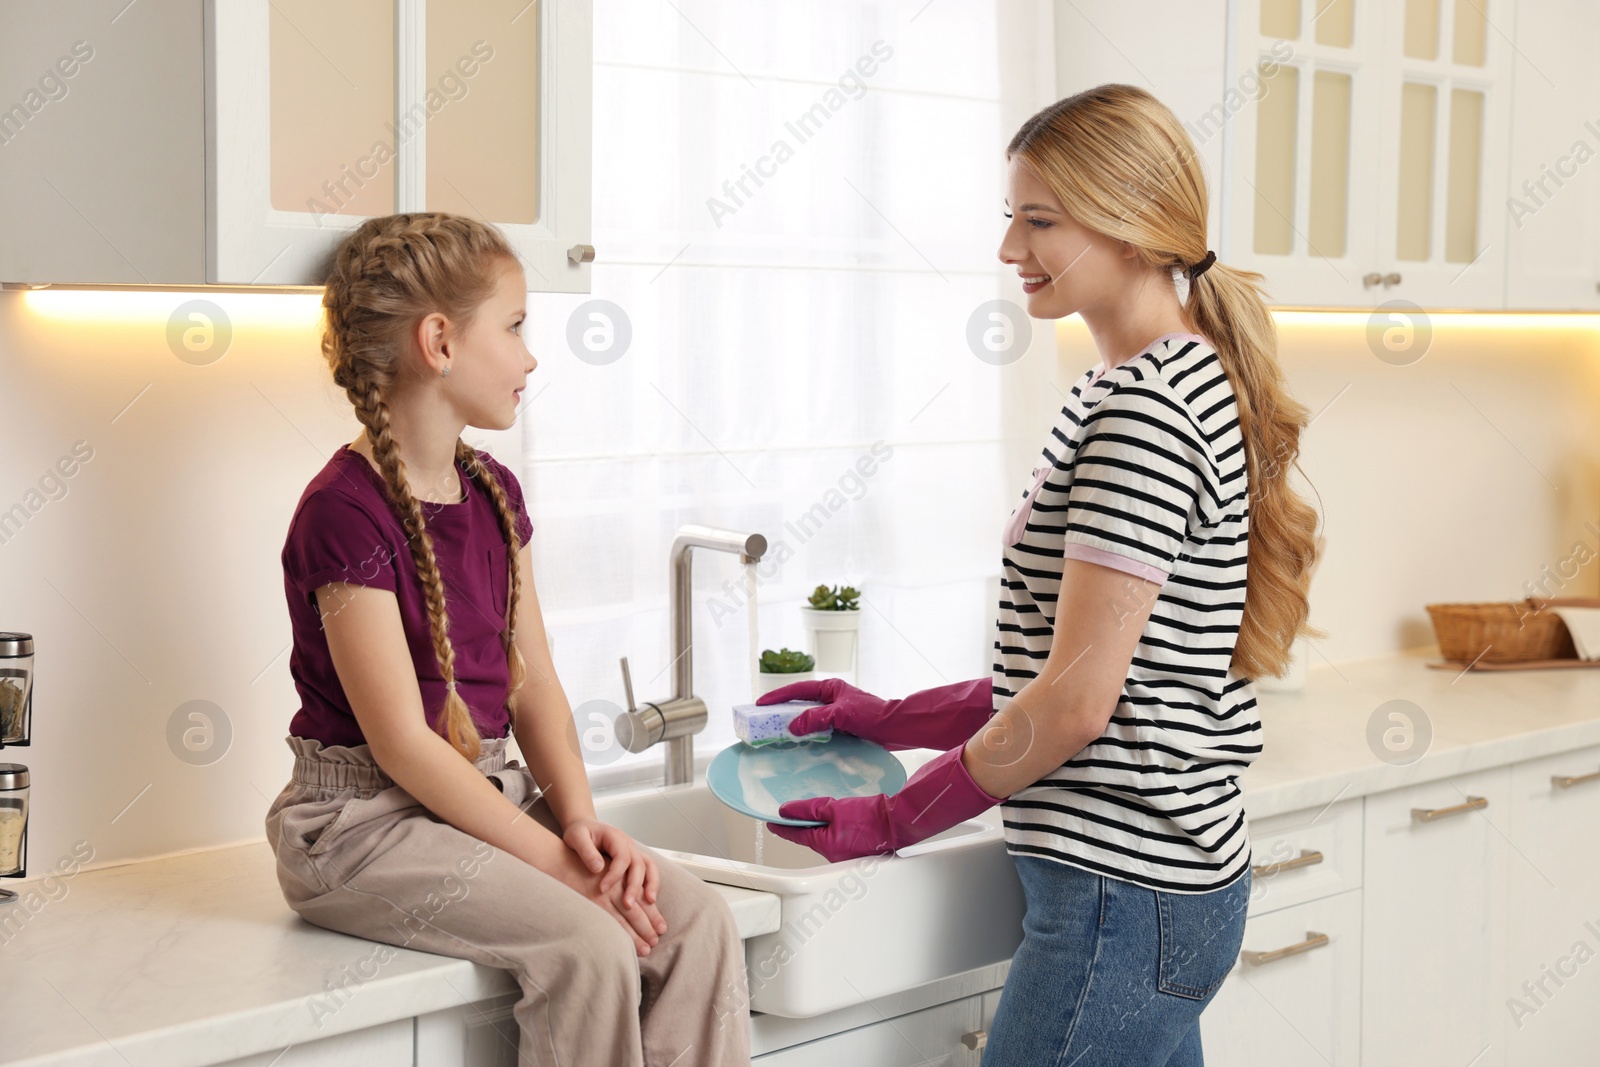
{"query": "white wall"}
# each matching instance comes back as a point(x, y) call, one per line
point(1461, 477)
point(153, 578)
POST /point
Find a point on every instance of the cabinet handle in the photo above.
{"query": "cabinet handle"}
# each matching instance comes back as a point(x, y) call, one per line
point(1430, 814)
point(1567, 781)
point(1390, 279)
point(1370, 280)
point(581, 254)
point(975, 1040)
point(1306, 858)
point(1313, 940)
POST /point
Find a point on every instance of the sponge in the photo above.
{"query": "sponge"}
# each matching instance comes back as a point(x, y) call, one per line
point(757, 724)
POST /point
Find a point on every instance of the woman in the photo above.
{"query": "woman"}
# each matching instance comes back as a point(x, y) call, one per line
point(419, 650)
point(1121, 710)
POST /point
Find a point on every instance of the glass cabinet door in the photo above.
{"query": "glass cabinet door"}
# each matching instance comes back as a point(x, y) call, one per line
point(482, 153)
point(1445, 90)
point(1305, 74)
point(325, 114)
point(331, 106)
point(506, 86)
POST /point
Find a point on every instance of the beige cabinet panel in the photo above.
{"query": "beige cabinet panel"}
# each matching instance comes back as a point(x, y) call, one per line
point(483, 141)
point(331, 68)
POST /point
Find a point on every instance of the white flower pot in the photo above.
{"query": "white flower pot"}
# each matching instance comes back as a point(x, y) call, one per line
point(834, 637)
point(769, 682)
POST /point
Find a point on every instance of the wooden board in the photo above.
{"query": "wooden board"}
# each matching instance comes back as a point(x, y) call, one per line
point(1526, 665)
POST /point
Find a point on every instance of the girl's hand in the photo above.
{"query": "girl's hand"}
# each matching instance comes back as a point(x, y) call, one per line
point(633, 869)
point(591, 837)
point(641, 923)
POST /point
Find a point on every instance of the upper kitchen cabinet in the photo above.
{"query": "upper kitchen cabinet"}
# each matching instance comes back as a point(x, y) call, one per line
point(211, 142)
point(1442, 179)
point(1553, 204)
point(1303, 151)
point(1366, 166)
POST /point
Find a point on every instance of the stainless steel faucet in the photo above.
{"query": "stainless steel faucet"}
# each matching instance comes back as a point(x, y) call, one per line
point(678, 719)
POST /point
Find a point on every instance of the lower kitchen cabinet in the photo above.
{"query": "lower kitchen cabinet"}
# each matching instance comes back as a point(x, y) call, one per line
point(388, 1045)
point(1447, 923)
point(1294, 997)
point(483, 1034)
point(1434, 923)
point(932, 1037)
point(1550, 1004)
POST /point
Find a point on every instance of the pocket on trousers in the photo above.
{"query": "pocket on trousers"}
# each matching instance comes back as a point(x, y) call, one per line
point(519, 787)
point(299, 823)
point(515, 781)
point(358, 810)
point(1200, 938)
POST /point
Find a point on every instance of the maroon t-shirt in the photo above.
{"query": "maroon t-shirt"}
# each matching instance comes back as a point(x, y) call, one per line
point(344, 530)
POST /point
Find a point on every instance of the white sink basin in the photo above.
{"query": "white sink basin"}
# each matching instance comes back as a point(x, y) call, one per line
point(850, 931)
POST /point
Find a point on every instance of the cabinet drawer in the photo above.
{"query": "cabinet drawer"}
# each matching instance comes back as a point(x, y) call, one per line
point(1300, 1008)
point(1305, 855)
point(927, 1038)
point(389, 1045)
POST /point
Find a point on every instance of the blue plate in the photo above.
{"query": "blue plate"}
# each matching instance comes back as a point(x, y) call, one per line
point(757, 780)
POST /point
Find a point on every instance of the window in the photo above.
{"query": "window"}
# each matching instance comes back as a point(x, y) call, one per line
point(796, 210)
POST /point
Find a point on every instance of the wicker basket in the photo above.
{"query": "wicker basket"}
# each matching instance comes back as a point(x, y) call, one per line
point(1511, 632)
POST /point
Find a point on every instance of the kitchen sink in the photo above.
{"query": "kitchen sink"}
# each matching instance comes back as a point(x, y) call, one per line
point(853, 930)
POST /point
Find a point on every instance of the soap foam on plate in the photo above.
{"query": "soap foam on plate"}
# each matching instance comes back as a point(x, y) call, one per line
point(757, 780)
point(812, 772)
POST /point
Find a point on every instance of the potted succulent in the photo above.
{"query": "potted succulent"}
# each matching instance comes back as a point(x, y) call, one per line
point(783, 667)
point(834, 619)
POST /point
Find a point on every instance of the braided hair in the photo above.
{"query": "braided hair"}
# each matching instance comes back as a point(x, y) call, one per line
point(386, 276)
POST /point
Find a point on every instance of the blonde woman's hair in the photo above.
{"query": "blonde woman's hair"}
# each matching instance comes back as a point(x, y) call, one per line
point(1122, 165)
point(386, 276)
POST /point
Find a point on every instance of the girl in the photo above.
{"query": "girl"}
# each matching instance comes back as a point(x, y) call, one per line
point(416, 631)
point(1122, 709)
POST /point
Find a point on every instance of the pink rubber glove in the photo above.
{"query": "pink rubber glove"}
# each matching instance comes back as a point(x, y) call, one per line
point(942, 717)
point(940, 795)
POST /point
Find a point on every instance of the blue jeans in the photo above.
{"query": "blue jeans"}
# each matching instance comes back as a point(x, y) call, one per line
point(1111, 974)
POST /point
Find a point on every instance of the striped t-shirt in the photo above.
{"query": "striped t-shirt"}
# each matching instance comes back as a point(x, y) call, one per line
point(1143, 471)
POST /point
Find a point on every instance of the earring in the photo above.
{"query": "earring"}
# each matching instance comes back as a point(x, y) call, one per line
point(446, 372)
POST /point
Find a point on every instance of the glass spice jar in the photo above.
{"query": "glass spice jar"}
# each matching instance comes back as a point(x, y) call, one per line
point(13, 824)
point(16, 688)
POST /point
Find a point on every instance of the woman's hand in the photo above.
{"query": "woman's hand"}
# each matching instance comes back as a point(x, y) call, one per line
point(632, 879)
point(844, 708)
point(941, 718)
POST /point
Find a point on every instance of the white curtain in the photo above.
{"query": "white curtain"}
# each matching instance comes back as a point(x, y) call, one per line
point(797, 207)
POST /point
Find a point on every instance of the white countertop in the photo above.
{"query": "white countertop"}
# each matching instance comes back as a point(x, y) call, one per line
point(1316, 748)
point(196, 959)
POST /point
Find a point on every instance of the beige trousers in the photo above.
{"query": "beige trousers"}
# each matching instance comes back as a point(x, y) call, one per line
point(358, 854)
